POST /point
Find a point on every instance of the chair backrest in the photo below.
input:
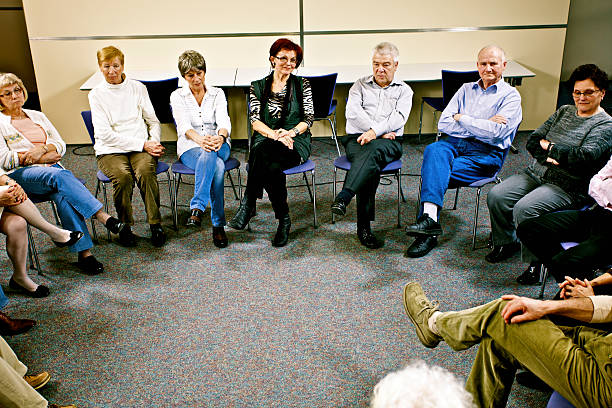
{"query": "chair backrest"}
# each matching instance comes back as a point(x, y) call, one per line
point(452, 81)
point(86, 115)
point(323, 88)
point(159, 93)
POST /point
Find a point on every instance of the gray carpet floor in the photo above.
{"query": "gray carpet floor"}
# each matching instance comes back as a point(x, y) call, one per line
point(314, 324)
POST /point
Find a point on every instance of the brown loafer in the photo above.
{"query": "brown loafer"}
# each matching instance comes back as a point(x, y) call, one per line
point(219, 237)
point(11, 327)
point(37, 381)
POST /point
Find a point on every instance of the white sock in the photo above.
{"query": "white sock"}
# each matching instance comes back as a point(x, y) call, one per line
point(431, 209)
point(431, 322)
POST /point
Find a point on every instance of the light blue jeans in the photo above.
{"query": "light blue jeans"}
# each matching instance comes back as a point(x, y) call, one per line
point(209, 172)
point(74, 202)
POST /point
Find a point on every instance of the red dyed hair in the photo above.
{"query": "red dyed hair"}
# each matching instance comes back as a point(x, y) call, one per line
point(287, 44)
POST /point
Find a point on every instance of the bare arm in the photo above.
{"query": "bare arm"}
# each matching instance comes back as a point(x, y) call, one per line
point(521, 309)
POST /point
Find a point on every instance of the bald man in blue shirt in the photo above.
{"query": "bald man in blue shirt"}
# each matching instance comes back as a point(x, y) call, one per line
point(480, 120)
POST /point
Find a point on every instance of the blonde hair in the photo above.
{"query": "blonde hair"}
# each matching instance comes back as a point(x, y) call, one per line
point(7, 79)
point(109, 53)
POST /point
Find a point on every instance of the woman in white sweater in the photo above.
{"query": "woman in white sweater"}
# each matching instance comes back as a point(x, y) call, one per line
point(203, 127)
point(127, 147)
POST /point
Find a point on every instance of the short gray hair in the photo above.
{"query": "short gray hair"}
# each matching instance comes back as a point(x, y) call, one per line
point(6, 79)
point(387, 48)
point(494, 47)
point(421, 386)
point(191, 60)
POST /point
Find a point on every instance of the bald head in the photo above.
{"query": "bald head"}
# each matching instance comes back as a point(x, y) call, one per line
point(491, 64)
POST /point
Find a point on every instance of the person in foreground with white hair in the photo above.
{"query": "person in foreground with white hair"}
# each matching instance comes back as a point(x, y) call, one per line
point(421, 386)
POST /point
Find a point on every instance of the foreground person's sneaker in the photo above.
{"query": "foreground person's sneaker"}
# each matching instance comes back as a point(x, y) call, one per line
point(37, 381)
point(419, 310)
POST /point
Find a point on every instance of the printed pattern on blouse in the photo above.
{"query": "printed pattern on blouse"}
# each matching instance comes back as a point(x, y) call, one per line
point(275, 104)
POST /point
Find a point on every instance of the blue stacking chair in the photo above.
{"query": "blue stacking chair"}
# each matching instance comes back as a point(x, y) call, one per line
point(451, 82)
point(394, 168)
point(323, 88)
point(179, 169)
point(478, 185)
point(557, 401)
point(162, 167)
point(159, 93)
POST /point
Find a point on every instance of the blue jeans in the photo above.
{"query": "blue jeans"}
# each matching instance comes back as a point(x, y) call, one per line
point(456, 161)
point(74, 202)
point(3, 299)
point(209, 172)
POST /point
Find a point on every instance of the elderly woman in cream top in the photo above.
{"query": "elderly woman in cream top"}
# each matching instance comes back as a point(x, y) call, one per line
point(30, 149)
point(203, 127)
point(127, 146)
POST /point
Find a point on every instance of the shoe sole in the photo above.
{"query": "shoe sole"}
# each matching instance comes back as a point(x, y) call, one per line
point(433, 233)
point(42, 384)
point(414, 323)
point(338, 212)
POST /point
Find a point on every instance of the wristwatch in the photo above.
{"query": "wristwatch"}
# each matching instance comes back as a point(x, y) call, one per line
point(296, 131)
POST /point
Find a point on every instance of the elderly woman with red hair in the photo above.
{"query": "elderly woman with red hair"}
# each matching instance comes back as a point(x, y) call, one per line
point(281, 113)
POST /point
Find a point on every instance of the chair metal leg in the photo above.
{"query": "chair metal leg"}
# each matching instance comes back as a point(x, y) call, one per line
point(308, 187)
point(314, 200)
point(34, 261)
point(418, 202)
point(177, 183)
point(334, 191)
point(229, 176)
point(421, 119)
point(475, 218)
point(456, 198)
point(398, 176)
point(108, 234)
point(55, 214)
point(239, 185)
point(543, 277)
point(170, 195)
point(334, 135)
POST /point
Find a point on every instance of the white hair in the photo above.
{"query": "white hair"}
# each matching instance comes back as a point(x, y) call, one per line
point(421, 386)
point(386, 48)
point(494, 47)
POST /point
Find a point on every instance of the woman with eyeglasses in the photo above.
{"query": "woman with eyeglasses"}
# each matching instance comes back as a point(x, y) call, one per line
point(30, 150)
point(281, 113)
point(567, 150)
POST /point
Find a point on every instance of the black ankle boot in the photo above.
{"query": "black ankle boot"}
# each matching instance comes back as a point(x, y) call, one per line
point(282, 233)
point(244, 214)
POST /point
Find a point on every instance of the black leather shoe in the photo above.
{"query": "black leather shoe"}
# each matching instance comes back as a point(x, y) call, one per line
point(40, 292)
point(158, 236)
point(531, 276)
point(243, 215)
point(530, 380)
point(282, 232)
point(11, 327)
point(219, 237)
point(338, 207)
point(74, 238)
point(368, 239)
point(90, 265)
point(114, 225)
point(502, 252)
point(127, 237)
point(421, 246)
point(195, 220)
point(424, 227)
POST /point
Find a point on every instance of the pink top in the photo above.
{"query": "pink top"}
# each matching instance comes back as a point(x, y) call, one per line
point(30, 130)
point(600, 187)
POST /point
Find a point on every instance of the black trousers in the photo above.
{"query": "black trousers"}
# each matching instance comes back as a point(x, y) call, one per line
point(592, 229)
point(366, 163)
point(267, 161)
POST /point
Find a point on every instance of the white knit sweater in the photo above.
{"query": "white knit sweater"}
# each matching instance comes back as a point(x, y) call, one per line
point(123, 117)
